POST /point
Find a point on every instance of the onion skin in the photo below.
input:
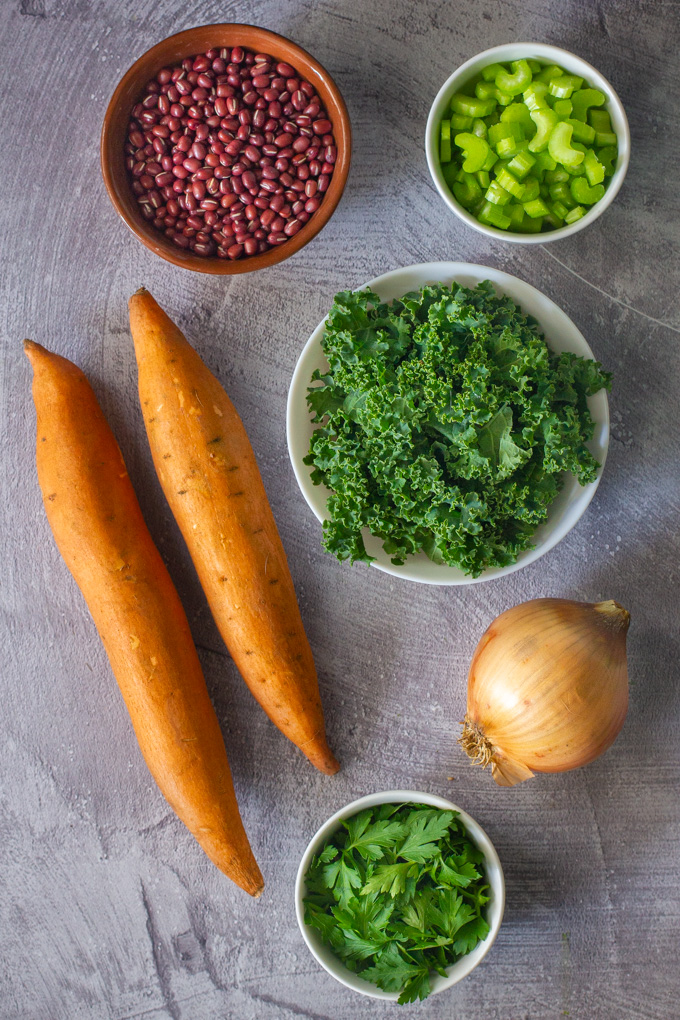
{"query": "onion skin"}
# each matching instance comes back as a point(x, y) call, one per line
point(547, 688)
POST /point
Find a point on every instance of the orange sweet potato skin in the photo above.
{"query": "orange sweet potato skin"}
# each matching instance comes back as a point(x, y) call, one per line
point(99, 529)
point(207, 468)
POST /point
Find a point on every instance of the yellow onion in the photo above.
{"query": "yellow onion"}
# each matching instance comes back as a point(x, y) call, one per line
point(547, 688)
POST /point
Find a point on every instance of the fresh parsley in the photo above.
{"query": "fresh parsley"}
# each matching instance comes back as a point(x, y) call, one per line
point(445, 425)
point(398, 893)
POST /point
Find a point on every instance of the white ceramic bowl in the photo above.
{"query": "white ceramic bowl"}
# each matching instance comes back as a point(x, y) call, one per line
point(322, 953)
point(548, 55)
point(561, 334)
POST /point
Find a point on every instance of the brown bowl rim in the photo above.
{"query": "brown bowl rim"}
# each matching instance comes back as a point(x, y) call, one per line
point(153, 239)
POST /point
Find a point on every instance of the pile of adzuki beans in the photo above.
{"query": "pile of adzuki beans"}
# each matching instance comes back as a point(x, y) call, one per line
point(229, 153)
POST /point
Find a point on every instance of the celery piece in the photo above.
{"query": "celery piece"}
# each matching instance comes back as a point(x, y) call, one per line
point(509, 147)
point(496, 194)
point(574, 214)
point(490, 71)
point(546, 122)
point(467, 191)
point(450, 173)
point(563, 86)
point(559, 210)
point(498, 131)
point(581, 132)
point(490, 160)
point(492, 216)
point(583, 99)
point(532, 189)
point(478, 128)
point(535, 66)
point(485, 90)
point(471, 106)
point(445, 142)
point(546, 75)
point(600, 120)
point(521, 164)
point(536, 207)
point(563, 107)
point(559, 145)
point(518, 113)
point(460, 123)
point(510, 183)
point(584, 194)
point(605, 138)
point(593, 168)
point(518, 81)
point(483, 178)
point(475, 151)
point(544, 161)
point(555, 176)
point(607, 158)
point(534, 96)
point(516, 214)
point(531, 226)
point(560, 192)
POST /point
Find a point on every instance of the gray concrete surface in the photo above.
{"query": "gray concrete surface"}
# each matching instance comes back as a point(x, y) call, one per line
point(108, 909)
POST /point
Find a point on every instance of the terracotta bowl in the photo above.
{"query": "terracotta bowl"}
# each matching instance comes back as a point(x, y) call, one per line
point(172, 51)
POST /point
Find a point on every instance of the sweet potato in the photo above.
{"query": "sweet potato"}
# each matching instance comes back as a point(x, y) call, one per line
point(100, 532)
point(209, 474)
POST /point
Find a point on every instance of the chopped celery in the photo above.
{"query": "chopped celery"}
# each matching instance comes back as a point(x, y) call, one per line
point(584, 194)
point(492, 216)
point(518, 81)
point(460, 123)
point(521, 164)
point(563, 107)
point(563, 86)
point(470, 106)
point(593, 167)
point(545, 121)
point(536, 207)
point(510, 183)
point(445, 142)
point(584, 99)
point(574, 214)
point(560, 148)
point(475, 151)
point(534, 96)
point(607, 158)
point(486, 90)
point(534, 147)
point(532, 189)
point(496, 194)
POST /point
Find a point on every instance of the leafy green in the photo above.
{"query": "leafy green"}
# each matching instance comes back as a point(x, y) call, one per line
point(445, 425)
point(398, 892)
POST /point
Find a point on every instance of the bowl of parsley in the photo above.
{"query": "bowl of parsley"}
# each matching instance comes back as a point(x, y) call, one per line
point(447, 423)
point(400, 895)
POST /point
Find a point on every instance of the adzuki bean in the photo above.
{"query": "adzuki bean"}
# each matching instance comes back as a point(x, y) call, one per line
point(229, 153)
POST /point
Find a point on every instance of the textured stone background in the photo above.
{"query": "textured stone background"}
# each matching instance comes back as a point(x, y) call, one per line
point(108, 909)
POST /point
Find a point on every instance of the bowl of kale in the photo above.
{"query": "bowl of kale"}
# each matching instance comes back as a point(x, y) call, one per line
point(447, 423)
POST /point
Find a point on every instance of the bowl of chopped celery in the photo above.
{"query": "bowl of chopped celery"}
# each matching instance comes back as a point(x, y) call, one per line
point(527, 142)
point(400, 895)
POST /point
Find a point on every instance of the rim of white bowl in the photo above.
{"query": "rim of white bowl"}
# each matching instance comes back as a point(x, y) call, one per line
point(537, 51)
point(496, 907)
point(531, 300)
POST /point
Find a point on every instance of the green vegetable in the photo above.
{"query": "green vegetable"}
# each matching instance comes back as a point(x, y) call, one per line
point(399, 892)
point(584, 194)
point(560, 148)
point(445, 142)
point(534, 118)
point(475, 151)
point(445, 423)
